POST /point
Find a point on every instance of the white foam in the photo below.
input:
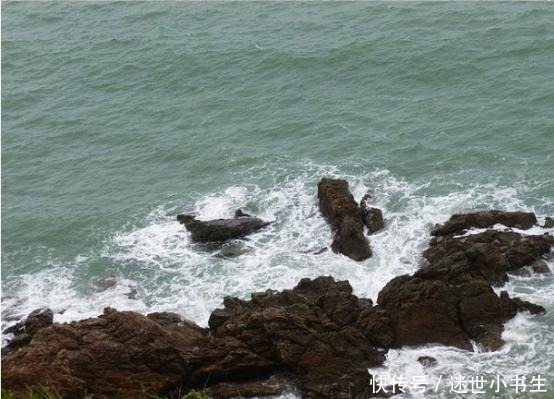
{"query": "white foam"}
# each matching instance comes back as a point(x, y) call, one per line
point(170, 273)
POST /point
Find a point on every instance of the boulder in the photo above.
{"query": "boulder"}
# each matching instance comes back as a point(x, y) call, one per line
point(490, 256)
point(372, 217)
point(484, 219)
point(426, 311)
point(220, 230)
point(345, 218)
point(548, 223)
point(313, 330)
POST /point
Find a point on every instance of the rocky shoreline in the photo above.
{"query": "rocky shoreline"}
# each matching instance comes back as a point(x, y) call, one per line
point(318, 335)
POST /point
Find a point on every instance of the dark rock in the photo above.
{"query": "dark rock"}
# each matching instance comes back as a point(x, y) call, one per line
point(484, 219)
point(313, 332)
point(165, 318)
point(132, 294)
point(427, 361)
point(489, 256)
point(320, 251)
point(220, 230)
point(433, 311)
point(343, 214)
point(126, 355)
point(23, 331)
point(372, 217)
point(240, 214)
point(105, 283)
point(548, 223)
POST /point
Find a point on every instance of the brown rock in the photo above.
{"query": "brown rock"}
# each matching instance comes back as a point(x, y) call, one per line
point(343, 214)
point(484, 219)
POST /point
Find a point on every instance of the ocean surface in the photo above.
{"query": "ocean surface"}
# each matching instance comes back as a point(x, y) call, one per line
point(117, 116)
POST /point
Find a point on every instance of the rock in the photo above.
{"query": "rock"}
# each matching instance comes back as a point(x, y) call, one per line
point(548, 223)
point(372, 217)
point(132, 294)
point(105, 283)
point(489, 256)
point(126, 355)
point(434, 311)
point(484, 219)
point(427, 361)
point(26, 329)
point(220, 230)
point(343, 214)
point(311, 332)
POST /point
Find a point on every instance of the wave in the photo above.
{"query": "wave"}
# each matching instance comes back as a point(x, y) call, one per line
point(156, 258)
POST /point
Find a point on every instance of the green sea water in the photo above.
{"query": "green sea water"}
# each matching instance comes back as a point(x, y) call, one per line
point(117, 115)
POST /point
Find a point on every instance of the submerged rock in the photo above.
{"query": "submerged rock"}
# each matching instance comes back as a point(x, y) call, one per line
point(220, 230)
point(427, 361)
point(343, 214)
point(484, 219)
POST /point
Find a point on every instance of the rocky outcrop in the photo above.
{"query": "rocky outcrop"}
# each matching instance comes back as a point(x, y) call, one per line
point(484, 219)
point(343, 214)
point(450, 299)
point(220, 230)
point(26, 329)
point(314, 332)
point(372, 217)
point(433, 311)
point(318, 334)
point(490, 256)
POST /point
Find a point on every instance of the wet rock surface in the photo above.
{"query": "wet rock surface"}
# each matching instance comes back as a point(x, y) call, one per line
point(484, 219)
point(345, 218)
point(372, 217)
point(221, 230)
point(317, 335)
point(24, 331)
point(311, 332)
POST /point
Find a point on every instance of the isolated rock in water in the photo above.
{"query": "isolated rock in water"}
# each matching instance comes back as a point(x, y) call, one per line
point(484, 219)
point(427, 361)
point(372, 217)
point(548, 223)
point(26, 329)
point(343, 214)
point(220, 230)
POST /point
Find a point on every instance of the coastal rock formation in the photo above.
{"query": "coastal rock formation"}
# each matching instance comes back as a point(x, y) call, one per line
point(433, 311)
point(26, 329)
point(450, 299)
point(372, 217)
point(484, 219)
point(318, 334)
point(548, 223)
point(220, 230)
point(343, 214)
point(313, 331)
point(490, 256)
